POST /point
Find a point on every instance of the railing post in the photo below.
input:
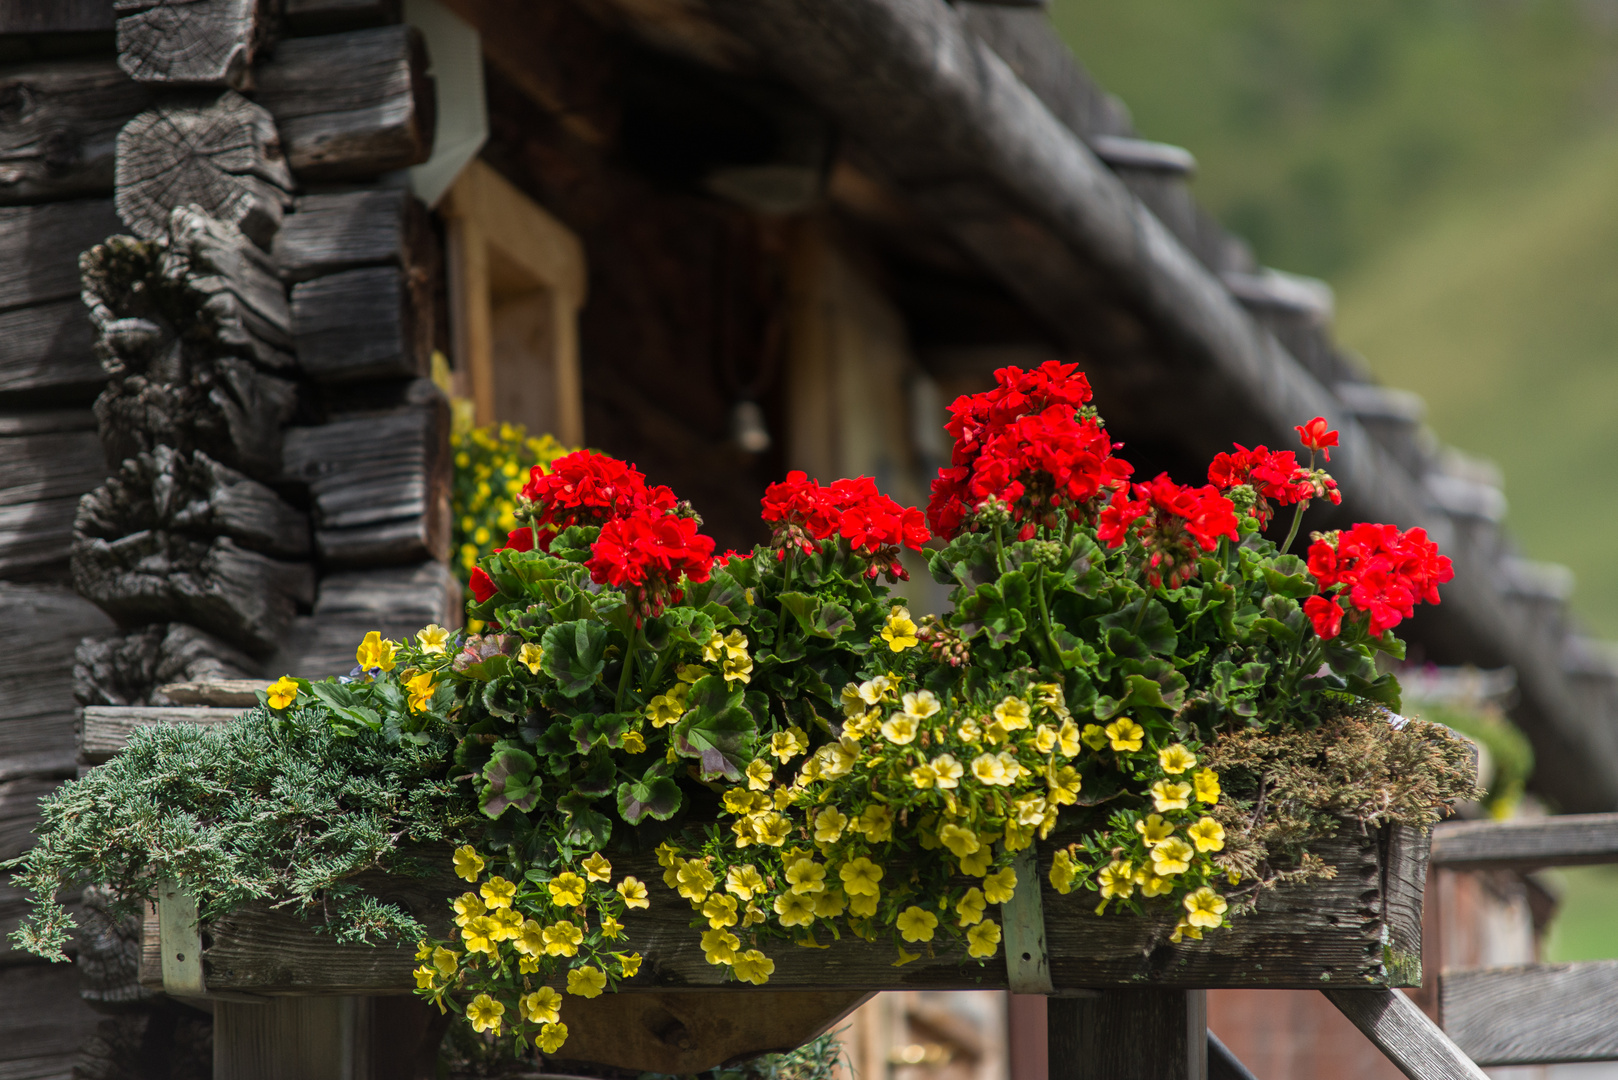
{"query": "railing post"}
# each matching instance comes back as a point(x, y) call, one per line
point(1129, 1035)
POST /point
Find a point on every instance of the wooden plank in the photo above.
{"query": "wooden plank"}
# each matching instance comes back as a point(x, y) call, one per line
point(39, 625)
point(62, 126)
point(351, 105)
point(396, 601)
point(44, 1023)
point(51, 465)
point(1527, 843)
point(1129, 1035)
point(105, 729)
point(190, 42)
point(19, 812)
point(1536, 1014)
point(361, 324)
point(40, 745)
point(55, 16)
point(36, 536)
point(1324, 933)
point(220, 693)
point(313, 1038)
point(327, 233)
point(49, 352)
point(1404, 1034)
point(330, 16)
point(42, 245)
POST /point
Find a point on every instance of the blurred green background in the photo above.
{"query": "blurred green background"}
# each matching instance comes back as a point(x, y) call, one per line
point(1451, 167)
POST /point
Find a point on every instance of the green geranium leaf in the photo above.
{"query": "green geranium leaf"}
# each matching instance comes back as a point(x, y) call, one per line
point(509, 781)
point(1153, 627)
point(652, 796)
point(575, 655)
point(606, 729)
point(1383, 689)
point(717, 730)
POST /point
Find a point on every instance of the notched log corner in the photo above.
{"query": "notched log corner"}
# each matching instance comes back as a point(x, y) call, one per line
point(190, 42)
point(129, 669)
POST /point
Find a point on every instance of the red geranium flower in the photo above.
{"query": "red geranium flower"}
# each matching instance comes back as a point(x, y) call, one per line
point(647, 554)
point(1317, 435)
point(1326, 614)
point(1382, 572)
point(482, 584)
point(805, 513)
point(1172, 522)
point(587, 488)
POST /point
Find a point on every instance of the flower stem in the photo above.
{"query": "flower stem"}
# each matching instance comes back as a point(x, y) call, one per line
point(1297, 519)
point(1052, 653)
point(630, 655)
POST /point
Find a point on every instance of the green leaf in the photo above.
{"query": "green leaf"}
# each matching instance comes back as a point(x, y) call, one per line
point(337, 697)
point(1154, 627)
point(596, 779)
point(575, 655)
point(509, 781)
point(1289, 576)
point(592, 729)
point(804, 608)
point(997, 610)
point(834, 620)
point(1384, 689)
point(717, 730)
point(652, 796)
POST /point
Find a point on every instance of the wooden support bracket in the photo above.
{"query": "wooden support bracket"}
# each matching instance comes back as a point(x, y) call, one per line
point(1405, 1034)
point(1028, 963)
point(181, 939)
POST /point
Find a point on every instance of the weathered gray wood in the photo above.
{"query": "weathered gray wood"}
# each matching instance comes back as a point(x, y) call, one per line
point(61, 122)
point(51, 465)
point(361, 324)
point(35, 622)
point(330, 16)
point(190, 42)
point(329, 233)
point(1129, 1035)
point(55, 16)
point(45, 421)
point(221, 154)
point(246, 598)
point(39, 745)
point(49, 352)
point(244, 299)
point(19, 812)
point(1122, 152)
point(314, 1038)
point(1404, 858)
point(131, 669)
point(1527, 843)
point(1324, 933)
point(105, 730)
point(396, 602)
point(1537, 1014)
point(220, 693)
point(42, 245)
point(44, 1024)
point(351, 105)
point(1404, 1034)
point(194, 495)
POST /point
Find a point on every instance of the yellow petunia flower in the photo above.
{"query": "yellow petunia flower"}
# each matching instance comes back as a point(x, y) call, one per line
point(759, 775)
point(531, 940)
point(1207, 782)
point(947, 771)
point(1171, 856)
point(485, 1013)
point(977, 864)
point(586, 981)
point(1067, 737)
point(445, 960)
point(829, 824)
point(1151, 884)
point(1000, 886)
point(788, 744)
point(424, 977)
point(874, 689)
point(468, 906)
point(1117, 879)
point(1012, 714)
point(969, 731)
point(772, 829)
point(738, 669)
point(754, 967)
point(719, 945)
point(562, 938)
point(1154, 829)
point(861, 877)
point(983, 940)
point(1044, 738)
point(830, 903)
point(1094, 737)
point(420, 687)
point(497, 892)
point(713, 650)
point(282, 692)
point(1064, 782)
point(597, 868)
point(922, 777)
point(633, 892)
point(970, 907)
point(876, 822)
point(1205, 908)
point(1171, 795)
point(794, 909)
point(990, 769)
point(1063, 872)
point(743, 881)
point(376, 652)
point(432, 638)
point(567, 889)
point(530, 656)
point(864, 906)
point(543, 1006)
point(900, 630)
point(1207, 834)
point(753, 915)
point(1175, 759)
point(664, 709)
point(634, 742)
point(806, 876)
point(478, 935)
point(468, 863)
point(961, 842)
point(899, 729)
point(916, 924)
point(719, 910)
point(694, 881)
point(921, 704)
point(629, 965)
point(551, 1038)
point(611, 928)
point(1124, 734)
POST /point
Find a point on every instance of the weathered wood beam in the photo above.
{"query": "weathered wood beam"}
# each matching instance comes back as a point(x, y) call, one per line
point(1404, 1034)
point(55, 16)
point(34, 536)
point(362, 324)
point(42, 245)
point(1537, 1014)
point(1224, 1065)
point(19, 812)
point(45, 1023)
point(330, 16)
point(219, 693)
point(105, 730)
point(132, 669)
point(329, 233)
point(48, 466)
point(222, 154)
point(351, 105)
point(190, 42)
point(1527, 843)
point(49, 352)
point(61, 127)
point(1117, 1034)
point(40, 627)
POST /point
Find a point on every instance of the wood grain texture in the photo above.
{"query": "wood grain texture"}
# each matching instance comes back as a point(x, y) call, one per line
point(131, 668)
point(309, 1038)
point(1325, 933)
point(59, 123)
point(220, 693)
point(361, 324)
point(42, 477)
point(49, 352)
point(329, 16)
point(1129, 1035)
point(41, 745)
point(105, 729)
point(55, 16)
point(19, 812)
point(190, 42)
point(42, 245)
point(351, 105)
point(395, 601)
point(1404, 1034)
point(44, 1023)
point(329, 233)
point(1537, 1014)
point(1527, 843)
point(32, 536)
point(223, 155)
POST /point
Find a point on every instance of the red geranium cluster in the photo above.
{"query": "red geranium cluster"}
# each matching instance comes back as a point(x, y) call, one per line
point(585, 488)
point(1378, 570)
point(1275, 477)
point(1025, 443)
point(803, 513)
point(1172, 523)
point(646, 554)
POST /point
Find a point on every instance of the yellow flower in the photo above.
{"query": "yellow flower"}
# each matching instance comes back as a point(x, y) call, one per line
point(531, 940)
point(862, 905)
point(829, 825)
point(999, 887)
point(633, 892)
point(719, 945)
point(1012, 713)
point(690, 673)
point(1171, 856)
point(921, 704)
point(835, 759)
point(424, 950)
point(900, 630)
point(753, 915)
point(742, 801)
point(719, 910)
point(947, 771)
point(990, 769)
point(1205, 908)
point(772, 829)
point(629, 965)
point(695, 881)
point(1207, 782)
point(906, 957)
point(743, 881)
point(1067, 737)
point(1117, 879)
point(562, 938)
point(759, 775)
point(1175, 759)
point(788, 744)
point(1171, 795)
point(543, 1006)
point(468, 864)
point(282, 692)
point(1065, 782)
point(667, 855)
point(611, 928)
point(1030, 809)
point(714, 650)
point(970, 907)
point(497, 892)
point(420, 688)
point(432, 638)
point(969, 730)
point(754, 967)
point(1125, 734)
point(485, 1013)
point(634, 742)
point(424, 977)
point(876, 822)
point(899, 729)
point(806, 876)
point(916, 924)
point(735, 644)
point(961, 842)
point(1151, 884)
point(597, 868)
point(551, 1037)
point(478, 934)
point(1063, 872)
point(738, 668)
point(1154, 829)
point(874, 689)
point(861, 877)
point(1044, 738)
point(983, 940)
point(1208, 835)
point(977, 864)
point(664, 709)
point(1020, 836)
point(1093, 737)
point(445, 960)
point(528, 965)
point(530, 656)
point(375, 652)
point(586, 981)
point(794, 909)
point(830, 903)
point(468, 907)
point(567, 889)
point(922, 777)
